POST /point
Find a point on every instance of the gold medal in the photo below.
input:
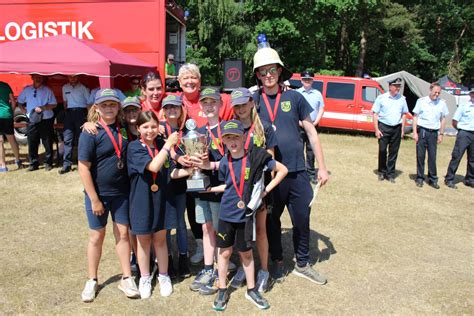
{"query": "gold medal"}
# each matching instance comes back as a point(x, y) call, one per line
point(241, 204)
point(154, 188)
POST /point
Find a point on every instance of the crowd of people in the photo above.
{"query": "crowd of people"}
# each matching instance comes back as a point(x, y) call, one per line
point(133, 164)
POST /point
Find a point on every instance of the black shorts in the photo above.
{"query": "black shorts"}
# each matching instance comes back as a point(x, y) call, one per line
point(6, 126)
point(230, 234)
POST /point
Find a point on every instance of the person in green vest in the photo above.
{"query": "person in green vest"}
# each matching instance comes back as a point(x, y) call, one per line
point(170, 72)
point(135, 90)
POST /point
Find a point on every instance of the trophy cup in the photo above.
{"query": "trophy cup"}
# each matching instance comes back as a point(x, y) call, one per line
point(195, 143)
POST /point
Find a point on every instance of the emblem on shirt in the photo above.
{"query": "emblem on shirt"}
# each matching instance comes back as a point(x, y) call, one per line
point(247, 173)
point(167, 164)
point(213, 145)
point(257, 141)
point(286, 106)
point(123, 131)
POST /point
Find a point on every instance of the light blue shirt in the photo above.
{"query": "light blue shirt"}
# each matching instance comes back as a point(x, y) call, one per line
point(465, 116)
point(94, 91)
point(430, 112)
point(390, 109)
point(314, 98)
point(42, 97)
point(75, 96)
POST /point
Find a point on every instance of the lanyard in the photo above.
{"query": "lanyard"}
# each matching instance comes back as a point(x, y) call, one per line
point(219, 146)
point(118, 148)
point(271, 113)
point(249, 136)
point(240, 189)
point(169, 131)
point(152, 154)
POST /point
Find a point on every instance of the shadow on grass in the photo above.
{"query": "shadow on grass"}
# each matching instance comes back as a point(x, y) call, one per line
point(397, 173)
point(109, 281)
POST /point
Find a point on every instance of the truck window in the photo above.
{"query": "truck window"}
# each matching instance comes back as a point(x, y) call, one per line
point(318, 85)
point(369, 94)
point(339, 90)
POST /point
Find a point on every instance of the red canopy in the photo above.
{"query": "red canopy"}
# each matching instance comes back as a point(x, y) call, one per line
point(67, 55)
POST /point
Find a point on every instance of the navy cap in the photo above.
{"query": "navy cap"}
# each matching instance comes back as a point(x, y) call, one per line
point(307, 75)
point(172, 100)
point(397, 81)
point(240, 96)
point(232, 127)
point(131, 101)
point(210, 92)
point(103, 95)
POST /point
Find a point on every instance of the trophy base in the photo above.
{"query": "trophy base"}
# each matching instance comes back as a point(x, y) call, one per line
point(198, 185)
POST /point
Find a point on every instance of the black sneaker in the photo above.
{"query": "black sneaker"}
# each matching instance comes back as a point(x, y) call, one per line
point(434, 185)
point(64, 170)
point(419, 183)
point(450, 184)
point(171, 271)
point(183, 268)
point(33, 168)
point(220, 303)
point(47, 167)
point(381, 177)
point(278, 271)
point(257, 298)
point(309, 273)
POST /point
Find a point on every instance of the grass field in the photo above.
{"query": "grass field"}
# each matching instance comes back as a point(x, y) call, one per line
point(385, 248)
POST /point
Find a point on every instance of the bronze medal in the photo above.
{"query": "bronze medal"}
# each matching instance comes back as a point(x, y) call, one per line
point(120, 164)
point(241, 204)
point(154, 187)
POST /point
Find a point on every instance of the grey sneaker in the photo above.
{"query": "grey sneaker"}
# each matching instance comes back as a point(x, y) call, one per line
point(263, 278)
point(309, 273)
point(201, 279)
point(209, 288)
point(220, 303)
point(239, 279)
point(257, 298)
point(90, 290)
point(129, 287)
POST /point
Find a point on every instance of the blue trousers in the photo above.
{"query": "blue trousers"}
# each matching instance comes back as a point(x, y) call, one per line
point(73, 121)
point(464, 142)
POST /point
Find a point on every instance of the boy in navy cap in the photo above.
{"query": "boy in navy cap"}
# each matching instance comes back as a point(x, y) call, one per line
point(242, 174)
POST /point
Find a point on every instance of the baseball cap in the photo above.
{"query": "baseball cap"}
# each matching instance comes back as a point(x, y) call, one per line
point(307, 75)
point(131, 101)
point(232, 127)
point(240, 96)
point(107, 94)
point(210, 92)
point(396, 81)
point(172, 100)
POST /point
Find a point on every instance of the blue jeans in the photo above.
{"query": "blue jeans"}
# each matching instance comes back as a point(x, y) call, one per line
point(178, 205)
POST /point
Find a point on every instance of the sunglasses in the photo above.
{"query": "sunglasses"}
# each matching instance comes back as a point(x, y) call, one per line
point(270, 71)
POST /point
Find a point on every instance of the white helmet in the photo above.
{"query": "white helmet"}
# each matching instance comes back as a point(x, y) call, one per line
point(267, 56)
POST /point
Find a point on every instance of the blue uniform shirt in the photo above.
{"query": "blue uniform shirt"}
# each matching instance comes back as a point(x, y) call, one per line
point(465, 116)
point(100, 152)
point(214, 155)
point(293, 108)
point(390, 109)
point(314, 98)
point(229, 211)
point(34, 97)
point(142, 200)
point(430, 112)
point(176, 186)
point(270, 137)
point(76, 96)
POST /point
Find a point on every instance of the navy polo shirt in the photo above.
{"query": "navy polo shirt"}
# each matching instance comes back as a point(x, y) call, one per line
point(229, 210)
point(100, 152)
point(176, 186)
point(142, 199)
point(270, 137)
point(214, 155)
point(293, 108)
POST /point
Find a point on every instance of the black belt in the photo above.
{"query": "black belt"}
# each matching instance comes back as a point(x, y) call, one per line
point(392, 126)
point(429, 130)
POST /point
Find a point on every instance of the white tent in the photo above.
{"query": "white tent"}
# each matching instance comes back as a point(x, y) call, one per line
point(420, 88)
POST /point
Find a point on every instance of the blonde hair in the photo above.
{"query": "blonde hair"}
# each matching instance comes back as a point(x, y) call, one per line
point(93, 115)
point(189, 68)
point(258, 131)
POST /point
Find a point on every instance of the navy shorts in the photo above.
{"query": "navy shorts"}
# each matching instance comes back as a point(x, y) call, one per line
point(117, 206)
point(231, 234)
point(6, 126)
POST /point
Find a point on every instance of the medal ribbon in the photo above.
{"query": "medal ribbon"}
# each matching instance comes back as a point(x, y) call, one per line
point(271, 113)
point(249, 136)
point(240, 189)
point(219, 146)
point(118, 148)
point(152, 154)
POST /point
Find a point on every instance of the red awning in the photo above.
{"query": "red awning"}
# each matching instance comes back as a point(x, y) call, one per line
point(69, 56)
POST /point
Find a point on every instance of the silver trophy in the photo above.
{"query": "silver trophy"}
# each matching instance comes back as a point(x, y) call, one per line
point(195, 143)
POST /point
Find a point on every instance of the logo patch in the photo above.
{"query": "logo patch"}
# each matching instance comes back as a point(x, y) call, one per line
point(286, 106)
point(208, 91)
point(222, 236)
point(230, 125)
point(257, 141)
point(247, 173)
point(213, 145)
point(236, 94)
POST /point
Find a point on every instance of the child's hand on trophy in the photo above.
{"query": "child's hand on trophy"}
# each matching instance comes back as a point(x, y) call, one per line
point(172, 139)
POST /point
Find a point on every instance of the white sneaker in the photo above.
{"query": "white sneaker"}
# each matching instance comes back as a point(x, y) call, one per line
point(145, 287)
point(166, 288)
point(90, 290)
point(199, 255)
point(129, 287)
